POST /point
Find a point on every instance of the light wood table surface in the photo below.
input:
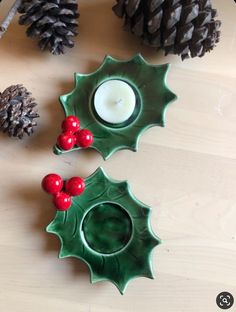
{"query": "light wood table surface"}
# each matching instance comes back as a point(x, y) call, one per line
point(186, 172)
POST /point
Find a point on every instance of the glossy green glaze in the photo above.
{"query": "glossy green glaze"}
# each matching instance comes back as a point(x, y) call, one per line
point(152, 97)
point(109, 229)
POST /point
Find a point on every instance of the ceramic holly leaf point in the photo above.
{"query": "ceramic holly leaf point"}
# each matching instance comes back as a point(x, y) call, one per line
point(149, 90)
point(109, 229)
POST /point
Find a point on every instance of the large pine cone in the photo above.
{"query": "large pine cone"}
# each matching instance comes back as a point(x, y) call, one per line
point(17, 112)
point(53, 22)
point(183, 27)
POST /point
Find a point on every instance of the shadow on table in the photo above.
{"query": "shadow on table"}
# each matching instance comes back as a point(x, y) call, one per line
point(41, 203)
point(16, 44)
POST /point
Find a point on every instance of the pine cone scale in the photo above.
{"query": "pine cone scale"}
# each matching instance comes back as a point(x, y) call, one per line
point(154, 4)
point(172, 17)
point(132, 6)
point(190, 13)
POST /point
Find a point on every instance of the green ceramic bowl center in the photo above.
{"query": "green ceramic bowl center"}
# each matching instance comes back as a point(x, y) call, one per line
point(107, 228)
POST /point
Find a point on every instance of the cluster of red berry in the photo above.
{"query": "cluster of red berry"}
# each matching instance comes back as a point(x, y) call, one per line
point(72, 135)
point(62, 192)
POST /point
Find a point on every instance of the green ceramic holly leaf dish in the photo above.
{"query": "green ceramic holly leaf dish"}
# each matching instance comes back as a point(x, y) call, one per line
point(109, 229)
point(152, 96)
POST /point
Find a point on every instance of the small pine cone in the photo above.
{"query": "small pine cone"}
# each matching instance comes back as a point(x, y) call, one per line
point(184, 27)
point(17, 112)
point(53, 22)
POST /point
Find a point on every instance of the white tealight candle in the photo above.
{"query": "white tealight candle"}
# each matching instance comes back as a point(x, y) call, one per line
point(114, 101)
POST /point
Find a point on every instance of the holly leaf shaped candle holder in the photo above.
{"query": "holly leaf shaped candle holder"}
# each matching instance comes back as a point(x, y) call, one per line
point(152, 97)
point(109, 229)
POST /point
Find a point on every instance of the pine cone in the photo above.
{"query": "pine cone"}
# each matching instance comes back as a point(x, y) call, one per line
point(183, 27)
point(53, 22)
point(16, 111)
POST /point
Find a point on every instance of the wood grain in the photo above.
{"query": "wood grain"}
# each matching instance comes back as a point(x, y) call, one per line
point(186, 172)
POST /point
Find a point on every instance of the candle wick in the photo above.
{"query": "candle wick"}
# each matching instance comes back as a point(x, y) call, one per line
point(119, 101)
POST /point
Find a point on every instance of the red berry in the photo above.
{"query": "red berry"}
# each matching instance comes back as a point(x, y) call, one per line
point(62, 201)
point(66, 141)
point(84, 138)
point(71, 123)
point(75, 186)
point(52, 183)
